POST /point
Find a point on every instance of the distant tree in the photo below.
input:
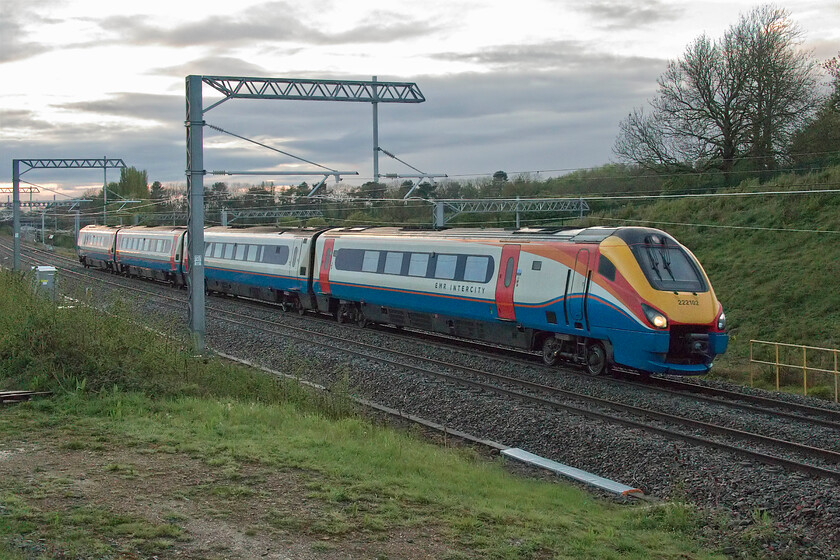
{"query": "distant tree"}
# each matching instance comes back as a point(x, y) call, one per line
point(371, 189)
point(726, 101)
point(818, 142)
point(449, 189)
point(133, 184)
point(300, 190)
point(255, 197)
point(157, 192)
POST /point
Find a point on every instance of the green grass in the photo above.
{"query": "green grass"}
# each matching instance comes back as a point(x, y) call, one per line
point(120, 391)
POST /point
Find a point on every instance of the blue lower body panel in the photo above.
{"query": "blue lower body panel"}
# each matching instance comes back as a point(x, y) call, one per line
point(255, 280)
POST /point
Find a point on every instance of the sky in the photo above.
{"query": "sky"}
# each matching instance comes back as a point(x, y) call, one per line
point(524, 86)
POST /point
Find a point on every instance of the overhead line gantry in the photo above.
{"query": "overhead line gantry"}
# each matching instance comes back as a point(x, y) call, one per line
point(291, 89)
point(61, 163)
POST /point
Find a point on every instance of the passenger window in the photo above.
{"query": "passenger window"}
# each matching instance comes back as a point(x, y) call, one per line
point(240, 251)
point(217, 250)
point(445, 266)
point(418, 264)
point(475, 269)
point(229, 251)
point(252, 253)
point(509, 272)
point(393, 262)
point(371, 261)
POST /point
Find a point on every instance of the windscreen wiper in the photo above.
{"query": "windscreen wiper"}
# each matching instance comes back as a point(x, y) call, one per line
point(654, 263)
point(666, 260)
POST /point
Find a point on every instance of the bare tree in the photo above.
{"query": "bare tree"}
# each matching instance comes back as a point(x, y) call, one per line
point(725, 100)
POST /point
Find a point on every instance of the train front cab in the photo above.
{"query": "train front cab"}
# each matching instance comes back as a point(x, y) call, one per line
point(679, 323)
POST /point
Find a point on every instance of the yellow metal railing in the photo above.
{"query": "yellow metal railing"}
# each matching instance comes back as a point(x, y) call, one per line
point(825, 355)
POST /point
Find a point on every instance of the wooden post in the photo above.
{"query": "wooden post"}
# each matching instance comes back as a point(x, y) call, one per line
point(777, 367)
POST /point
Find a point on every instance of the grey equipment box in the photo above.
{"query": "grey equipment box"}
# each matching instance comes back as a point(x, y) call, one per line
point(45, 281)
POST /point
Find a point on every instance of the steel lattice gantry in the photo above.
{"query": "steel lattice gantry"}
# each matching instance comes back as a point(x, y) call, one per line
point(233, 87)
point(229, 216)
point(477, 206)
point(363, 91)
point(66, 163)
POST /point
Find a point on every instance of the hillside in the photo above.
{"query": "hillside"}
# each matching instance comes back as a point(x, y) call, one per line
point(774, 260)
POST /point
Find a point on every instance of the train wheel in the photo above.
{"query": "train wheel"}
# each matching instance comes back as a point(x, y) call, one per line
point(551, 351)
point(361, 320)
point(596, 359)
point(342, 313)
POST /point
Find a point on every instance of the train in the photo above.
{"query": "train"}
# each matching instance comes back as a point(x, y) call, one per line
point(606, 298)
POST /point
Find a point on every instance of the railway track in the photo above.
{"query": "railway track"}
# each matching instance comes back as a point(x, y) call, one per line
point(761, 448)
point(749, 402)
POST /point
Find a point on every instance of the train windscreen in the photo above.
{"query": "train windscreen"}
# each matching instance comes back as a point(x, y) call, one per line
point(668, 267)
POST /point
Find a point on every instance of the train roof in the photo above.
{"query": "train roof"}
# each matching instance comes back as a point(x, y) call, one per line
point(594, 234)
point(152, 228)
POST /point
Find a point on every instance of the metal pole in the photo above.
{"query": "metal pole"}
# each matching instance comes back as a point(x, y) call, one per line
point(43, 227)
point(375, 133)
point(224, 217)
point(16, 212)
point(439, 218)
point(105, 191)
point(195, 190)
point(517, 212)
point(76, 228)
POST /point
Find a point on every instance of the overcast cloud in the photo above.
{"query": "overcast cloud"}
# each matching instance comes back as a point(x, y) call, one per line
point(536, 86)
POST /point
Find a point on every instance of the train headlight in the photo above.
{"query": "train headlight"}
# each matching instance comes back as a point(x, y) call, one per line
point(656, 318)
point(721, 322)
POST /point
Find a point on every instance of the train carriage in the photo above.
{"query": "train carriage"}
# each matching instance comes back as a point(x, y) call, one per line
point(151, 252)
point(96, 246)
point(632, 297)
point(261, 263)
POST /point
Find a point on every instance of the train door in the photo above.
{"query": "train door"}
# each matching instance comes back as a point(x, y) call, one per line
point(506, 282)
point(577, 290)
point(326, 260)
point(295, 258)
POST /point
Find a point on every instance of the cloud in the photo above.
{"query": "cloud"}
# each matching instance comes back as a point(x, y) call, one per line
point(561, 55)
point(213, 66)
point(23, 120)
point(621, 14)
point(470, 124)
point(13, 43)
point(273, 22)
